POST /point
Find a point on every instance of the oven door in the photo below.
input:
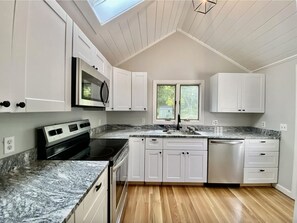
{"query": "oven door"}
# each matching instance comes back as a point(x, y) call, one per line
point(91, 87)
point(119, 187)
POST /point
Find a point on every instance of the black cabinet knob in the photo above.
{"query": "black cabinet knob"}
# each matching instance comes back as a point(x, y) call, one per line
point(5, 104)
point(160, 152)
point(183, 153)
point(188, 153)
point(21, 104)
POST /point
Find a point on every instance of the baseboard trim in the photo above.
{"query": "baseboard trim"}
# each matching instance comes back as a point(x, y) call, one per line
point(284, 191)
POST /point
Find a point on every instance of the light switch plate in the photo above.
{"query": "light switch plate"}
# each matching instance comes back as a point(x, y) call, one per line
point(263, 124)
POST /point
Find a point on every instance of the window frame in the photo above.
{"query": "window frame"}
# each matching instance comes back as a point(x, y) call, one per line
point(178, 83)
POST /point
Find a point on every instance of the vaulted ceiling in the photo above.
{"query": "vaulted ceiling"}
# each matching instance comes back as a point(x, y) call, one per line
point(250, 33)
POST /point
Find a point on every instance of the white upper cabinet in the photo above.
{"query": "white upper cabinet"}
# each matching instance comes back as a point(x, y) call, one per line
point(237, 92)
point(82, 46)
point(139, 91)
point(121, 89)
point(85, 49)
point(6, 27)
point(129, 91)
point(41, 55)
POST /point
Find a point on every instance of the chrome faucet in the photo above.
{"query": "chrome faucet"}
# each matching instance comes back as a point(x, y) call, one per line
point(178, 122)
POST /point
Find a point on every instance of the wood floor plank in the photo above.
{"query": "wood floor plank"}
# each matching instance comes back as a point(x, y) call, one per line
point(192, 204)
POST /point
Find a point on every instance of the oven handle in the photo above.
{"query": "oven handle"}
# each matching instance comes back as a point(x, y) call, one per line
point(120, 163)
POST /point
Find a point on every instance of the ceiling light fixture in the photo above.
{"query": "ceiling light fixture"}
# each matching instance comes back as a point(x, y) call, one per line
point(203, 6)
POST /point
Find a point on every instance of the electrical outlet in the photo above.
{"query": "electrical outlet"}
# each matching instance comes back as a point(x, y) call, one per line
point(263, 124)
point(215, 122)
point(8, 144)
point(283, 127)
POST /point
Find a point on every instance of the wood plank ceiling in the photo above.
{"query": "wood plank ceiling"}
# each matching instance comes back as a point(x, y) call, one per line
point(252, 33)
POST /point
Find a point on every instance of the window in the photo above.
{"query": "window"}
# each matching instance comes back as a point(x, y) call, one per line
point(178, 97)
point(107, 10)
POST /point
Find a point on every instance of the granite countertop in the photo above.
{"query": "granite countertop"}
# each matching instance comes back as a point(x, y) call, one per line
point(46, 191)
point(228, 133)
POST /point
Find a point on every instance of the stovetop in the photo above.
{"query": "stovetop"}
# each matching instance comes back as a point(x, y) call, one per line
point(71, 141)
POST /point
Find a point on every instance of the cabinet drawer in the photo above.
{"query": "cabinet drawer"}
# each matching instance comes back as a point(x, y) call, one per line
point(153, 143)
point(260, 175)
point(262, 145)
point(185, 144)
point(261, 159)
point(88, 207)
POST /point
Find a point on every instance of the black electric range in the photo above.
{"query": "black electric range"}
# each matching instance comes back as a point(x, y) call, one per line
point(71, 141)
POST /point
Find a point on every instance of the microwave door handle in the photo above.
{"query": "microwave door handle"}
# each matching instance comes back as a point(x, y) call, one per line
point(104, 84)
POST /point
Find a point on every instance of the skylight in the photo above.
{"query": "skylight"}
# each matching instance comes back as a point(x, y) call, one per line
point(107, 10)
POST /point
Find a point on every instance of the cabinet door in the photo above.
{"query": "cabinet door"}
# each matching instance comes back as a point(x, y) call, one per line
point(196, 166)
point(229, 92)
point(6, 26)
point(253, 92)
point(136, 159)
point(139, 91)
point(82, 46)
point(98, 60)
point(173, 165)
point(121, 90)
point(153, 165)
point(42, 56)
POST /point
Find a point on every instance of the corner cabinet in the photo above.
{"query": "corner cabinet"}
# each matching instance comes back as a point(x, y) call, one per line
point(136, 159)
point(129, 91)
point(237, 92)
point(93, 207)
point(41, 57)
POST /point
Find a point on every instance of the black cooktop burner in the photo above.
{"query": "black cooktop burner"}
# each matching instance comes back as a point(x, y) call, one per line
point(105, 149)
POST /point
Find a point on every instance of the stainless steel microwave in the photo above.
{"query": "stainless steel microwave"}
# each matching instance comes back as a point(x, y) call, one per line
point(90, 88)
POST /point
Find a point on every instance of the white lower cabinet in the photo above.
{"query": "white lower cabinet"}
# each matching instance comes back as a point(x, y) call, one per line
point(136, 159)
point(93, 208)
point(185, 160)
point(261, 161)
point(153, 165)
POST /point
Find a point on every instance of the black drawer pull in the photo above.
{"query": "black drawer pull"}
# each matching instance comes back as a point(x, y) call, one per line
point(262, 170)
point(262, 154)
point(98, 187)
point(262, 141)
point(154, 140)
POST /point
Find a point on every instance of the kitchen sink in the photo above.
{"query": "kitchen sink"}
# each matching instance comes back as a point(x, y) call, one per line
point(179, 132)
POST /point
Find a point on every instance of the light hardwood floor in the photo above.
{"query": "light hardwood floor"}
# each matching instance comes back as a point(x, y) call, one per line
point(190, 204)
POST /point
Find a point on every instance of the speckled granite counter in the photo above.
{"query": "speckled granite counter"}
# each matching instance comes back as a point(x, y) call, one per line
point(46, 191)
point(228, 133)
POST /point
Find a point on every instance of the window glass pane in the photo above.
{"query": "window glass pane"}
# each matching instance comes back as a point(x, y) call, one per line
point(165, 102)
point(107, 10)
point(189, 102)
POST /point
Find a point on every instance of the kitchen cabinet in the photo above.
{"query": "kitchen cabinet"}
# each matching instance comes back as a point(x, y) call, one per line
point(93, 207)
point(41, 59)
point(129, 91)
point(261, 161)
point(139, 91)
point(136, 159)
point(184, 160)
point(6, 26)
point(237, 92)
point(85, 49)
point(153, 160)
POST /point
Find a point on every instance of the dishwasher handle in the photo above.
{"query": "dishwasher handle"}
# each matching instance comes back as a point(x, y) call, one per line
point(231, 142)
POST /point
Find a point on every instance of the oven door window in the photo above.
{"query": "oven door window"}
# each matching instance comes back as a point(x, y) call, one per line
point(91, 88)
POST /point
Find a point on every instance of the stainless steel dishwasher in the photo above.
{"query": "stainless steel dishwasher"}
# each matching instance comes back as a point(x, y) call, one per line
point(225, 161)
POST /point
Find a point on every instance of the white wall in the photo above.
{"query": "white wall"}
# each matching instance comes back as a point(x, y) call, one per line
point(22, 126)
point(178, 58)
point(280, 108)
